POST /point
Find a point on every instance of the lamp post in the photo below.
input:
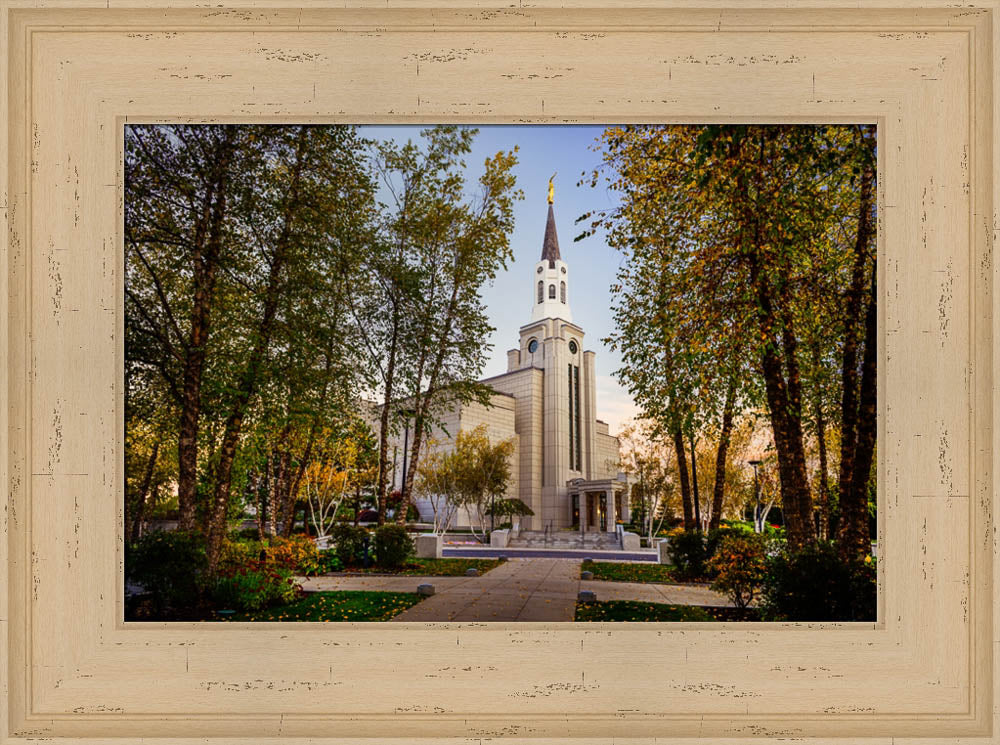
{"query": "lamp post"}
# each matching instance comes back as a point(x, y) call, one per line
point(756, 496)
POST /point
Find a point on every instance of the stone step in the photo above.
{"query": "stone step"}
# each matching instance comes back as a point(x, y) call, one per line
point(538, 539)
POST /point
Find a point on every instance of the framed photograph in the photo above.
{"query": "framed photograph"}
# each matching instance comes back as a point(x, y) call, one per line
point(634, 363)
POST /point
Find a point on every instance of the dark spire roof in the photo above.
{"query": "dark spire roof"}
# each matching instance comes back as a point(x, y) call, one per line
point(550, 246)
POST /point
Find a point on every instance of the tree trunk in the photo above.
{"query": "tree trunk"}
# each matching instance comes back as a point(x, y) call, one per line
point(804, 522)
point(855, 535)
point(824, 481)
point(694, 485)
point(719, 488)
point(247, 385)
point(683, 475)
point(783, 397)
point(271, 507)
point(424, 399)
point(786, 426)
point(140, 505)
point(853, 503)
point(205, 268)
point(383, 437)
point(260, 500)
point(282, 491)
point(300, 471)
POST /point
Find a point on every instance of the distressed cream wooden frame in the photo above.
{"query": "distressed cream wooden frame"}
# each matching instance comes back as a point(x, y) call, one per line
point(75, 70)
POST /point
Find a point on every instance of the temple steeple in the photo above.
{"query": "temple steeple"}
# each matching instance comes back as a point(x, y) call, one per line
point(551, 289)
point(550, 244)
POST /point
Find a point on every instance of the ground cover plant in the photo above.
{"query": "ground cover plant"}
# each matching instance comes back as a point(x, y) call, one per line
point(631, 610)
point(336, 606)
point(614, 571)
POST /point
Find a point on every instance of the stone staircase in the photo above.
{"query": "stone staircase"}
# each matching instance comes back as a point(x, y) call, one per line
point(566, 539)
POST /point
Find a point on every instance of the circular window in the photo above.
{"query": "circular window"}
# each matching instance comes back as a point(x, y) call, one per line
point(563, 270)
point(539, 270)
point(572, 347)
point(533, 346)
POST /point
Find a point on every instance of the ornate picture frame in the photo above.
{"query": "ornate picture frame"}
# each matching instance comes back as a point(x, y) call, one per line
point(74, 72)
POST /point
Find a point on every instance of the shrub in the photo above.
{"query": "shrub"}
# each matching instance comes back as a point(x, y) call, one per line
point(739, 566)
point(687, 554)
point(348, 542)
point(245, 588)
point(815, 584)
point(169, 565)
point(297, 553)
point(329, 562)
point(715, 537)
point(393, 545)
point(239, 554)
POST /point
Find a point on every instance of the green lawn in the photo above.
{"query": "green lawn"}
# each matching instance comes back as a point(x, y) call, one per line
point(623, 572)
point(632, 610)
point(432, 567)
point(348, 605)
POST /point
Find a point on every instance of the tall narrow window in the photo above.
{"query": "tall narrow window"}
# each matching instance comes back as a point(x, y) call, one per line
point(541, 291)
point(572, 449)
point(575, 446)
point(552, 292)
point(576, 406)
point(562, 291)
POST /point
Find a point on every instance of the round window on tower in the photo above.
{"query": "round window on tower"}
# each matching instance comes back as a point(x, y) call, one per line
point(572, 347)
point(564, 270)
point(539, 270)
point(533, 346)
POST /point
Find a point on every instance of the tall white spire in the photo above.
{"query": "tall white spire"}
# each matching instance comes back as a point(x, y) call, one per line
point(550, 292)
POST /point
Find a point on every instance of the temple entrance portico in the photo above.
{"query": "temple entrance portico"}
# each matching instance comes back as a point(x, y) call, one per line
point(598, 505)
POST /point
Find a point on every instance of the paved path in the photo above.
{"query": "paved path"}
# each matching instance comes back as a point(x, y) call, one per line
point(517, 590)
point(548, 553)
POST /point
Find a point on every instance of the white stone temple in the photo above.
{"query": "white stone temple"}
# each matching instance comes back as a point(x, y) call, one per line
point(566, 464)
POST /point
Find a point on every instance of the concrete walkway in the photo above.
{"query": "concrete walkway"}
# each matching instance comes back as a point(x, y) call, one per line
point(517, 590)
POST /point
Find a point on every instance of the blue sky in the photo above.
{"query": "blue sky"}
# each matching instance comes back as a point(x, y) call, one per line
point(544, 149)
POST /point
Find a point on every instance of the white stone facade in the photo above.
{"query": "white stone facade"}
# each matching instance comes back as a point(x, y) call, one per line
point(547, 401)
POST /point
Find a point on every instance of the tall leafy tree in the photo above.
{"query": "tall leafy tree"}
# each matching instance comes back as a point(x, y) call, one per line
point(424, 326)
point(314, 204)
point(179, 183)
point(241, 244)
point(736, 222)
